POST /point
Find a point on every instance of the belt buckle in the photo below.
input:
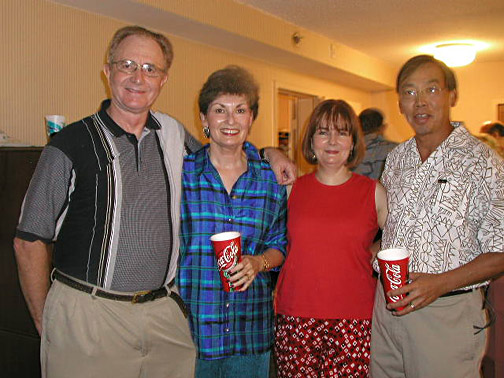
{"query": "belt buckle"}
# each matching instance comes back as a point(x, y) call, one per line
point(141, 296)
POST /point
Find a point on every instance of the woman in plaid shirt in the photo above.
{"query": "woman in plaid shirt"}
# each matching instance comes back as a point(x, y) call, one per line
point(227, 187)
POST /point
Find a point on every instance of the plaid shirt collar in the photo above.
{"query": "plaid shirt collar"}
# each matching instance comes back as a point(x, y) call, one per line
point(203, 164)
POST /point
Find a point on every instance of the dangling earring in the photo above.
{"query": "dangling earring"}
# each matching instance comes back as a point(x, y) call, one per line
point(206, 132)
point(314, 157)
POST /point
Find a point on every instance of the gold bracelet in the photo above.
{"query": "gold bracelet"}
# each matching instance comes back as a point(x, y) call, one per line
point(266, 264)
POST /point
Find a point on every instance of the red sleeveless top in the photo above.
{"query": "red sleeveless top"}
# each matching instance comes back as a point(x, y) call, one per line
point(327, 273)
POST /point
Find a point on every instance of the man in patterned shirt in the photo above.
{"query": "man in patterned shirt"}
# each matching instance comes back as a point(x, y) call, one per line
point(446, 206)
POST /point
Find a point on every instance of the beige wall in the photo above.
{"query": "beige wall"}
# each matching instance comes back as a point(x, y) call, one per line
point(53, 56)
point(397, 128)
point(51, 60)
point(481, 88)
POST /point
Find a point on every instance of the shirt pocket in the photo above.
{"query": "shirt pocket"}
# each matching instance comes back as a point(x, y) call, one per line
point(450, 201)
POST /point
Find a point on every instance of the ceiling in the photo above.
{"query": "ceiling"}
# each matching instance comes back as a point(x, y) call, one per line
point(395, 30)
point(388, 31)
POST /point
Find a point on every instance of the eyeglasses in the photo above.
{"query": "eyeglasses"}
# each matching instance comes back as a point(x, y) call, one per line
point(130, 67)
point(412, 94)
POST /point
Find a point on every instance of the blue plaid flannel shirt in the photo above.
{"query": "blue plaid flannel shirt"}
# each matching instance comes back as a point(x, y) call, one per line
point(237, 323)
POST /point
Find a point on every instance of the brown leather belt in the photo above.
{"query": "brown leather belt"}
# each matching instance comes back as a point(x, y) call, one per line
point(138, 297)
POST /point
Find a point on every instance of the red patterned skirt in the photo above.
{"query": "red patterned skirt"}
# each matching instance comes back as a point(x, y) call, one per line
point(309, 348)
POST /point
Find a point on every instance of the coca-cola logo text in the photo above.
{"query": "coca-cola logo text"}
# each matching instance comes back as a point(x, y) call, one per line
point(393, 276)
point(229, 257)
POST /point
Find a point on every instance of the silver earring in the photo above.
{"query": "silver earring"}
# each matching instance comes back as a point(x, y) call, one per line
point(206, 132)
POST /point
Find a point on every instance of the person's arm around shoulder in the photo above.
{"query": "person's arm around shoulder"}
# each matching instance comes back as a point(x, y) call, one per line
point(191, 144)
point(285, 170)
point(34, 264)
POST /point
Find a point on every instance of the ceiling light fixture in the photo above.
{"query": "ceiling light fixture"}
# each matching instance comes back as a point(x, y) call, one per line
point(455, 54)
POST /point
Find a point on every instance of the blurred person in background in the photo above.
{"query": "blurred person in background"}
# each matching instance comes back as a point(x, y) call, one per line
point(496, 131)
point(377, 147)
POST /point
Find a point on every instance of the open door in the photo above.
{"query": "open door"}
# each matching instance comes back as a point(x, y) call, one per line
point(294, 110)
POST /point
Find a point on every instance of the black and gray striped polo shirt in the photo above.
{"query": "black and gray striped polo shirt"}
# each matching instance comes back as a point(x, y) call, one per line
point(109, 201)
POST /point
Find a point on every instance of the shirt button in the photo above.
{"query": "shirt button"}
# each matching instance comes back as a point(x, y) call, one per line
point(234, 197)
point(230, 220)
point(226, 329)
point(227, 305)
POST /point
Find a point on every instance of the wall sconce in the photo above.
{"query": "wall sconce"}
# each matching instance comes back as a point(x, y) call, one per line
point(296, 38)
point(455, 54)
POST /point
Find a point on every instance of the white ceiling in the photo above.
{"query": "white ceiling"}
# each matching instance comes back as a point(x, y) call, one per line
point(394, 30)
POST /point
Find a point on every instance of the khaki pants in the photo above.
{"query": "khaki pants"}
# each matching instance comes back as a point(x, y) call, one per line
point(87, 336)
point(437, 341)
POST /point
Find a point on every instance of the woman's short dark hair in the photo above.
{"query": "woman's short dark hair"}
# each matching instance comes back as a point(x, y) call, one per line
point(414, 63)
point(371, 120)
point(121, 34)
point(493, 128)
point(327, 113)
point(232, 80)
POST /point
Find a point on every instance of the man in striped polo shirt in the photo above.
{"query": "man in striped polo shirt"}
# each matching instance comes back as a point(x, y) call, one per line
point(103, 208)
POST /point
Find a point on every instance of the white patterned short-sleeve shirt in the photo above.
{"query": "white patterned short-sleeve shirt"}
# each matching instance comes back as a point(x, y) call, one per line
point(449, 209)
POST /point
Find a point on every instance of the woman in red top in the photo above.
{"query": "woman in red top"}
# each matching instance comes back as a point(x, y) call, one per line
point(326, 287)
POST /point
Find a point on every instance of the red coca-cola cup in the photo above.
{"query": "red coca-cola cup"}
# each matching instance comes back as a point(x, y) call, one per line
point(227, 247)
point(393, 271)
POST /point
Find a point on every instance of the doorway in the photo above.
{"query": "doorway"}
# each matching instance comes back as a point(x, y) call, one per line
point(294, 109)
